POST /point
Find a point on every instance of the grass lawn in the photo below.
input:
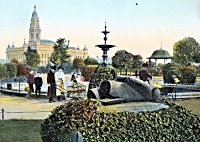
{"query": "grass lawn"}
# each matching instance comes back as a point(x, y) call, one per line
point(20, 131)
point(191, 104)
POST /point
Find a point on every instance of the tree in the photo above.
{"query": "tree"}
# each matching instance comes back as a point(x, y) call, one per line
point(87, 72)
point(11, 69)
point(120, 59)
point(32, 57)
point(3, 71)
point(124, 59)
point(90, 61)
point(186, 51)
point(22, 69)
point(78, 63)
point(137, 61)
point(59, 55)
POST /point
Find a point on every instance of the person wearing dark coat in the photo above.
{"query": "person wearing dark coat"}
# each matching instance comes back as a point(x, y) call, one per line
point(38, 84)
point(51, 93)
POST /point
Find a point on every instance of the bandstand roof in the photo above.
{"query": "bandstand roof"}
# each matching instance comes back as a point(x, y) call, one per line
point(160, 54)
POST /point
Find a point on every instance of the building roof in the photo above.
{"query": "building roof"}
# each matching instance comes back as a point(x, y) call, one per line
point(34, 14)
point(160, 54)
point(46, 41)
point(85, 48)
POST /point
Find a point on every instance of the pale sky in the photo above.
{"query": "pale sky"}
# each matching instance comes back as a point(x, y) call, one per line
point(139, 29)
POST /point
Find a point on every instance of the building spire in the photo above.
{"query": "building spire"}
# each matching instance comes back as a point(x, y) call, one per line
point(34, 7)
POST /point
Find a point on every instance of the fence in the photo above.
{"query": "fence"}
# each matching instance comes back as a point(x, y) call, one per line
point(4, 113)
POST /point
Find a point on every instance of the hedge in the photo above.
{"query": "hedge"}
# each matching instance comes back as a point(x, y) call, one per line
point(175, 124)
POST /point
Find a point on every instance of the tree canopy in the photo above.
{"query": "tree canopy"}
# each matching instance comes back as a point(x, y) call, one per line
point(32, 57)
point(123, 59)
point(3, 71)
point(60, 55)
point(90, 61)
point(186, 51)
point(78, 63)
point(11, 69)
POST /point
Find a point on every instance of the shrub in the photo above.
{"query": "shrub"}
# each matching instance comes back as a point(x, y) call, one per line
point(172, 124)
point(169, 70)
point(188, 75)
point(87, 72)
point(103, 73)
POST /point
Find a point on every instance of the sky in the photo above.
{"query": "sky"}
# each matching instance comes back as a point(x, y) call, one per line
point(139, 29)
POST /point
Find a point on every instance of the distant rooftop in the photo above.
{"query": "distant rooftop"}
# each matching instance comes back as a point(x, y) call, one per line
point(46, 41)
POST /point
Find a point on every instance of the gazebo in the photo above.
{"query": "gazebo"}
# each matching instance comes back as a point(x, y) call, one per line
point(160, 54)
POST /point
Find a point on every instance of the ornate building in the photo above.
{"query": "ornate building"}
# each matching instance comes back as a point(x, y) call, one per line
point(44, 47)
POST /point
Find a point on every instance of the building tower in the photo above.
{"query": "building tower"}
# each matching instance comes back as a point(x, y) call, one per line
point(34, 30)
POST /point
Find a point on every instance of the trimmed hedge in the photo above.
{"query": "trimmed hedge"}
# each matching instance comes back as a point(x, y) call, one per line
point(173, 124)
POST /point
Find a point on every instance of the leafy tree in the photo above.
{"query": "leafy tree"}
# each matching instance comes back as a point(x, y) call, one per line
point(87, 72)
point(137, 61)
point(59, 55)
point(11, 69)
point(22, 69)
point(32, 57)
point(123, 59)
point(186, 51)
point(90, 61)
point(119, 60)
point(3, 71)
point(78, 63)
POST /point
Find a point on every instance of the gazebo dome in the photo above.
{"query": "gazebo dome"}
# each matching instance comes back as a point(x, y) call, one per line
point(160, 54)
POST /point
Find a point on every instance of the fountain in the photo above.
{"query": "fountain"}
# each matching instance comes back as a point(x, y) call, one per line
point(105, 47)
point(111, 89)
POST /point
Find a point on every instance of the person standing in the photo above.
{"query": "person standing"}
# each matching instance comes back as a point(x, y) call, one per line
point(51, 93)
point(60, 79)
point(38, 84)
point(30, 81)
point(73, 78)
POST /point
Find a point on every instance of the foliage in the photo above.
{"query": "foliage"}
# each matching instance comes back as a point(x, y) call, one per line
point(59, 55)
point(22, 69)
point(103, 73)
point(32, 57)
point(14, 61)
point(87, 72)
point(170, 70)
point(67, 118)
point(20, 130)
point(3, 71)
point(186, 51)
point(172, 124)
point(188, 75)
point(90, 61)
point(42, 69)
point(123, 59)
point(11, 69)
point(78, 63)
